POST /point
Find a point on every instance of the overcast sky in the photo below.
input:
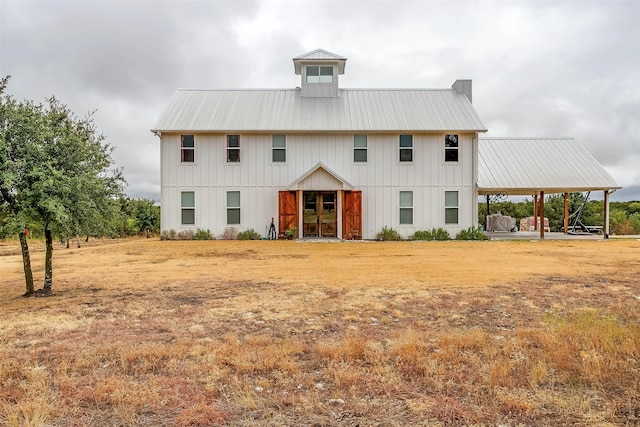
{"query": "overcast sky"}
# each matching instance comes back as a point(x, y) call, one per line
point(540, 68)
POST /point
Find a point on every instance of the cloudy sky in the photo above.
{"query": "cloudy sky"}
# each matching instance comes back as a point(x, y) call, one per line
point(540, 68)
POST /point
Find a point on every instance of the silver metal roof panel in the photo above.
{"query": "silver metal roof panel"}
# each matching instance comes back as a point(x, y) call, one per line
point(526, 166)
point(355, 110)
point(320, 54)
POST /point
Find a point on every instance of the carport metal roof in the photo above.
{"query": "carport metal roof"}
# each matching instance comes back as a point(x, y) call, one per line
point(526, 166)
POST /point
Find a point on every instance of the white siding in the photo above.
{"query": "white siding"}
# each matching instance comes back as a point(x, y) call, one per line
point(259, 179)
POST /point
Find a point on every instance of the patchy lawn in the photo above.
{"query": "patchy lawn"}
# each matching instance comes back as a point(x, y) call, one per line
point(252, 333)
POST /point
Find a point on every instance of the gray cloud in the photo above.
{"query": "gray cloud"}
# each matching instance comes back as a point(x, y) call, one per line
point(539, 68)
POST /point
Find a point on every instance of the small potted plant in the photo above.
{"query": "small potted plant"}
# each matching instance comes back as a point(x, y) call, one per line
point(290, 233)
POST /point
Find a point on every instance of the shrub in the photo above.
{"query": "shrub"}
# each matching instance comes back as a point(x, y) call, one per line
point(249, 234)
point(203, 235)
point(230, 233)
point(434, 234)
point(472, 233)
point(186, 235)
point(168, 235)
point(388, 233)
point(290, 233)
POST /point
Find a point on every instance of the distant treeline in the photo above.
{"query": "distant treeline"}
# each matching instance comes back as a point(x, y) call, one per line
point(624, 217)
point(127, 217)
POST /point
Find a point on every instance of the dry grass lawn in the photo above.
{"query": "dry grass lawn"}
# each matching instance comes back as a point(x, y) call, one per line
point(254, 333)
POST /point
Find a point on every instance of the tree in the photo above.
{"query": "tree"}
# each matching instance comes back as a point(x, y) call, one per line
point(146, 215)
point(55, 170)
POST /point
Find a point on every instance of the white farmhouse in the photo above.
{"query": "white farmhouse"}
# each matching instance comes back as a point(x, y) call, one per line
point(329, 161)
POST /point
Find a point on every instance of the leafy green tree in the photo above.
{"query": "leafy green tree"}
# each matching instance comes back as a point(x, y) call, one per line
point(634, 220)
point(146, 215)
point(54, 170)
point(21, 125)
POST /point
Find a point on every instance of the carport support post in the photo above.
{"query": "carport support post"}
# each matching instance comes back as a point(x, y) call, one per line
point(566, 213)
point(541, 215)
point(486, 218)
point(535, 212)
point(605, 225)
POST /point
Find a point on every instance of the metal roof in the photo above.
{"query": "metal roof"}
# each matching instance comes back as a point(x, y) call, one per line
point(320, 54)
point(526, 166)
point(284, 110)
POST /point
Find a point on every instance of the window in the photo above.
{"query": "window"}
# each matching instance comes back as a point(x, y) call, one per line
point(450, 207)
point(187, 149)
point(233, 148)
point(233, 207)
point(406, 207)
point(451, 148)
point(279, 149)
point(360, 148)
point(317, 74)
point(188, 208)
point(406, 148)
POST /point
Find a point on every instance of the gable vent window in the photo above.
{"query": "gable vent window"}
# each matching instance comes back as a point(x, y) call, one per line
point(451, 148)
point(233, 148)
point(406, 148)
point(187, 149)
point(279, 149)
point(360, 148)
point(319, 74)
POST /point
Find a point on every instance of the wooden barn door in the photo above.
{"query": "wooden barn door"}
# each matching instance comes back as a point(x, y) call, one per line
point(287, 212)
point(352, 215)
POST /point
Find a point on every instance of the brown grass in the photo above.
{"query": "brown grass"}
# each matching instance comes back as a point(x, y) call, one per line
point(143, 332)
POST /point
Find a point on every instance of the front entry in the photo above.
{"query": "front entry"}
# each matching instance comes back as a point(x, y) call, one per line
point(320, 214)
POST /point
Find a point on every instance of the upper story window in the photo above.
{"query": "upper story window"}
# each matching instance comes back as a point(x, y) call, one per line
point(406, 148)
point(451, 148)
point(360, 148)
point(233, 148)
point(319, 74)
point(187, 149)
point(279, 149)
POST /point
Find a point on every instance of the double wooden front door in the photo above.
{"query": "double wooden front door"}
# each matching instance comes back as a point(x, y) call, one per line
point(320, 214)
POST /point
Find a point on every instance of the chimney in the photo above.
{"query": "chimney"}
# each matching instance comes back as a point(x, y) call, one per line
point(463, 87)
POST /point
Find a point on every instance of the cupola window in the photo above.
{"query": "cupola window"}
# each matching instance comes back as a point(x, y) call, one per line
point(319, 74)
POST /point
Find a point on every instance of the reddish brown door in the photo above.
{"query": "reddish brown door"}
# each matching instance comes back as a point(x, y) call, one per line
point(287, 212)
point(352, 215)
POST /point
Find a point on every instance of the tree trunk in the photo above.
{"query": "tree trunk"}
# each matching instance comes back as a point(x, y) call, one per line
point(26, 262)
point(78, 240)
point(48, 258)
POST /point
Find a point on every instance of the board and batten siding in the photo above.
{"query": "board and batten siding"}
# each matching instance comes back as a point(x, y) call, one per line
point(259, 179)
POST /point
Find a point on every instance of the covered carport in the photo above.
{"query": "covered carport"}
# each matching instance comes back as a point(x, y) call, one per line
point(540, 166)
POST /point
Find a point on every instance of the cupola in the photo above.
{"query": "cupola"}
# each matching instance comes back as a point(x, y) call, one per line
point(319, 70)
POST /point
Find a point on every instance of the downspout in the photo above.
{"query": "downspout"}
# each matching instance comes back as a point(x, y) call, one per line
point(162, 182)
point(474, 172)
